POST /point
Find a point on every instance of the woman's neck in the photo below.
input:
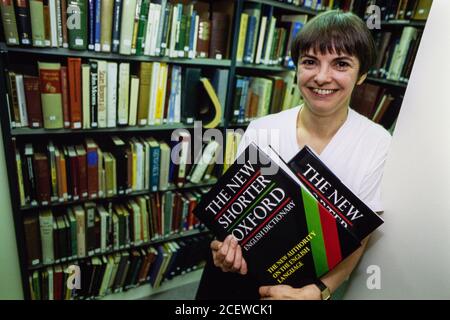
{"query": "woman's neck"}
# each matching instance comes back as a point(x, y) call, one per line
point(321, 126)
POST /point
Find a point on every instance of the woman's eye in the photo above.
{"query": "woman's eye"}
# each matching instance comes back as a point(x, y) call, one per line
point(308, 62)
point(342, 65)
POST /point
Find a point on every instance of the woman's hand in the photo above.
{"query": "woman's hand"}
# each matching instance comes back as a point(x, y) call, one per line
point(285, 292)
point(227, 255)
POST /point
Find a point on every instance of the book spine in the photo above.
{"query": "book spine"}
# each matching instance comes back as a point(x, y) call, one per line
point(94, 92)
point(22, 11)
point(65, 35)
point(142, 27)
point(33, 97)
point(77, 25)
point(106, 24)
point(74, 68)
point(59, 27)
point(37, 23)
point(50, 84)
point(65, 97)
point(98, 26)
point(9, 22)
point(86, 91)
point(102, 93)
point(91, 44)
point(116, 26)
point(124, 90)
point(111, 95)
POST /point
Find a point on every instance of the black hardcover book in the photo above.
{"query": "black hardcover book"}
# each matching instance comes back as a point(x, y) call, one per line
point(94, 92)
point(23, 21)
point(342, 203)
point(190, 94)
point(116, 26)
point(287, 235)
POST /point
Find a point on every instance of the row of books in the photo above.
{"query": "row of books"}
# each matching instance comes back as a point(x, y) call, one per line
point(259, 96)
point(400, 10)
point(377, 103)
point(390, 10)
point(265, 38)
point(104, 94)
point(60, 173)
point(396, 55)
point(121, 271)
point(93, 228)
point(137, 27)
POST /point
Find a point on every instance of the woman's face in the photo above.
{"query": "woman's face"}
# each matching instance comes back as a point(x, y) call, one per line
point(327, 81)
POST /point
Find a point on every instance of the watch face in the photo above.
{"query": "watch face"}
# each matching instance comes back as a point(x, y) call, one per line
point(326, 295)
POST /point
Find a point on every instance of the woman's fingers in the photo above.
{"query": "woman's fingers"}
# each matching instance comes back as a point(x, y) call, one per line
point(230, 256)
point(244, 268)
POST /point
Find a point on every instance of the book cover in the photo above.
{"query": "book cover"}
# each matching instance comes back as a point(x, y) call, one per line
point(287, 235)
point(329, 190)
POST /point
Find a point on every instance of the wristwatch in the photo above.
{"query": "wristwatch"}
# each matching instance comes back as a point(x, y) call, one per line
point(324, 291)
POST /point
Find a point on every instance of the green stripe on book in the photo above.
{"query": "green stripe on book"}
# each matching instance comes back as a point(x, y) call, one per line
point(317, 243)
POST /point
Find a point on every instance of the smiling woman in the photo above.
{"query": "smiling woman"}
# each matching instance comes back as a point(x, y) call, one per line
point(333, 52)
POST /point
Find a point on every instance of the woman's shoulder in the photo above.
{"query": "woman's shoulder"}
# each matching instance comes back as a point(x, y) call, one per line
point(369, 129)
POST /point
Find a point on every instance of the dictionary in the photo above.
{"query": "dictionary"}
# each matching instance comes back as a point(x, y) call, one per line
point(334, 195)
point(287, 233)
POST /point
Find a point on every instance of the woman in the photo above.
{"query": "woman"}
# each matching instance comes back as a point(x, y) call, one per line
point(334, 52)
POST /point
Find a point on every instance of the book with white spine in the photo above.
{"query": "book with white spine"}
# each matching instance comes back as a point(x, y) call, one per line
point(156, 69)
point(134, 96)
point(21, 100)
point(111, 105)
point(127, 26)
point(102, 93)
point(124, 93)
point(86, 91)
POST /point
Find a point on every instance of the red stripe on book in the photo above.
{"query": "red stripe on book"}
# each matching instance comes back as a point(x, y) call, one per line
point(324, 199)
point(330, 237)
point(265, 221)
point(237, 194)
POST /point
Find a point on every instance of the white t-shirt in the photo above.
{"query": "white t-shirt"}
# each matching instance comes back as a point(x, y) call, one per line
point(356, 153)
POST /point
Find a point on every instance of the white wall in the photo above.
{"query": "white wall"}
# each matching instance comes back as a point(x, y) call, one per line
point(10, 282)
point(412, 248)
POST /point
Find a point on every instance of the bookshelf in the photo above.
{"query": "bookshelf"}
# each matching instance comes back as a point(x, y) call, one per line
point(15, 56)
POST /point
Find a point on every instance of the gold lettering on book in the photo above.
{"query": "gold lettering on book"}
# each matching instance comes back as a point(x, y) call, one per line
point(290, 262)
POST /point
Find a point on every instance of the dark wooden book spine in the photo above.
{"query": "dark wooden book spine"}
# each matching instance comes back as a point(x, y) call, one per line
point(42, 178)
point(33, 97)
point(219, 35)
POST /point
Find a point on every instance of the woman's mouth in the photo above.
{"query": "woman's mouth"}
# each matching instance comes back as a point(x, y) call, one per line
point(323, 92)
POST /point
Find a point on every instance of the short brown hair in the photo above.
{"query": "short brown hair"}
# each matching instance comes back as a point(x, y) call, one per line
point(339, 32)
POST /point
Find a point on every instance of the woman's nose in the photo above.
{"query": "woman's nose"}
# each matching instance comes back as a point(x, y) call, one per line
point(323, 75)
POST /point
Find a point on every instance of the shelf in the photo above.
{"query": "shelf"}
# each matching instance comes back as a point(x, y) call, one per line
point(234, 125)
point(43, 131)
point(112, 56)
point(287, 6)
point(146, 290)
point(241, 65)
point(407, 23)
point(388, 82)
point(131, 194)
point(176, 236)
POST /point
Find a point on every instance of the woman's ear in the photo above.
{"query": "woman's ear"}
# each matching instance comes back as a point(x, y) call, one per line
point(361, 79)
